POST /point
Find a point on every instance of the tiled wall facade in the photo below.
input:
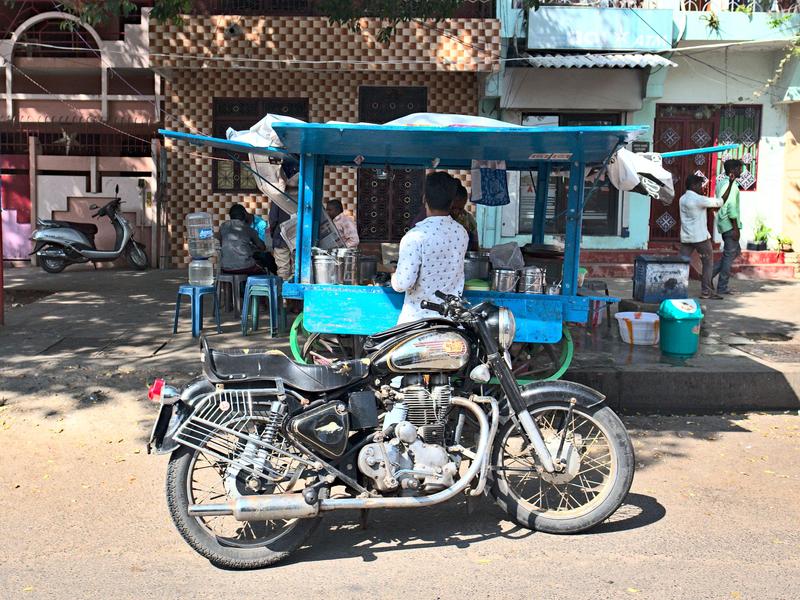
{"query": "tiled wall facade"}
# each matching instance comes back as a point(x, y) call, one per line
point(445, 58)
point(312, 42)
point(332, 96)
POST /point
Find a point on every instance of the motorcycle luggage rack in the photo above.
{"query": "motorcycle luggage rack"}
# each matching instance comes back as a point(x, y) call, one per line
point(219, 426)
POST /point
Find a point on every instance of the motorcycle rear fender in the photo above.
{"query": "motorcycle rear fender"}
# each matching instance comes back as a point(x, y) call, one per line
point(163, 441)
point(542, 392)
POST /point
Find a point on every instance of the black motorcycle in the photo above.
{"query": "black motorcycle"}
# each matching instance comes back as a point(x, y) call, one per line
point(262, 446)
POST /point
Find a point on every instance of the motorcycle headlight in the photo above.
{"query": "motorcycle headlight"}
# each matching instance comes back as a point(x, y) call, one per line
point(507, 328)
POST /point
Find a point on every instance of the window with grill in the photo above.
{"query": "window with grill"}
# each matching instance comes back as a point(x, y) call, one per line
point(601, 209)
point(230, 175)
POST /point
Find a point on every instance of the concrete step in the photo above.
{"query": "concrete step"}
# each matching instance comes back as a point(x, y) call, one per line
point(601, 270)
point(747, 257)
point(761, 271)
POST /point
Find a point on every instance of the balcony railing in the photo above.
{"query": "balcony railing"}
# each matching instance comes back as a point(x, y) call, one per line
point(745, 6)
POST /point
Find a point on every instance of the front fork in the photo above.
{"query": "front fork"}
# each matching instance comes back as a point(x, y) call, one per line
point(519, 410)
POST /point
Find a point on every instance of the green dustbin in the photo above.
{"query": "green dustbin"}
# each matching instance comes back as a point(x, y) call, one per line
point(680, 326)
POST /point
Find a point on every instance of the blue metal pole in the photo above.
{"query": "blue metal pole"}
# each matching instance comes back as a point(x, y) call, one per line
point(305, 218)
point(692, 151)
point(540, 206)
point(572, 243)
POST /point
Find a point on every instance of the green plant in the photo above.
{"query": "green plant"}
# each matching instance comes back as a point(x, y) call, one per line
point(761, 233)
point(783, 240)
point(712, 22)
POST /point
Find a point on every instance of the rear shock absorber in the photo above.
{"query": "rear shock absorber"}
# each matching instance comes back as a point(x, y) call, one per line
point(276, 411)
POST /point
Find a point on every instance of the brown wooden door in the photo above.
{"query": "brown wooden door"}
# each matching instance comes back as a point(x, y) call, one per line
point(390, 198)
point(680, 133)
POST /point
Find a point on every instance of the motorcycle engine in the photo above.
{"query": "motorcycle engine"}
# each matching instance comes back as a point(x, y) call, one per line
point(412, 458)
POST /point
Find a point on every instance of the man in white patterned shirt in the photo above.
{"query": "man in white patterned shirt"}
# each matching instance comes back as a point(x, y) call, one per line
point(432, 253)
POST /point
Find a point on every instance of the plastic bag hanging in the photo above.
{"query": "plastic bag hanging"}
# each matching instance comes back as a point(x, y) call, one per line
point(489, 183)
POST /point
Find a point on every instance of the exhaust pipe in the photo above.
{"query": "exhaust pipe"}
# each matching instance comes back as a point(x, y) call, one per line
point(293, 506)
point(268, 507)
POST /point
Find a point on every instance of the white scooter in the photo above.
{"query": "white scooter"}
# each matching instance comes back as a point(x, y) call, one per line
point(61, 243)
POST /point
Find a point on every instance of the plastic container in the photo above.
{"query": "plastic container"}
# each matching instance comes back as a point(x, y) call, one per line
point(638, 328)
point(680, 326)
point(200, 235)
point(657, 278)
point(582, 271)
point(201, 272)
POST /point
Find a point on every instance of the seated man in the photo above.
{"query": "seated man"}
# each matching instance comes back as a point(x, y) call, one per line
point(432, 253)
point(240, 243)
point(345, 225)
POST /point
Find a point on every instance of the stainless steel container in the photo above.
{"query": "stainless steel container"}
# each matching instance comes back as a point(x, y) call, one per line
point(476, 266)
point(325, 269)
point(505, 280)
point(347, 265)
point(532, 280)
point(367, 269)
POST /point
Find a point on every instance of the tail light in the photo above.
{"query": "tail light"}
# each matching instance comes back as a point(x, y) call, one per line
point(156, 391)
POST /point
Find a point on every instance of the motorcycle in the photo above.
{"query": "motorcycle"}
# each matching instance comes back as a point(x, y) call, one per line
point(61, 243)
point(261, 446)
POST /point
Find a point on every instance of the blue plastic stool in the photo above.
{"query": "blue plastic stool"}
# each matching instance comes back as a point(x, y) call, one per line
point(196, 293)
point(269, 287)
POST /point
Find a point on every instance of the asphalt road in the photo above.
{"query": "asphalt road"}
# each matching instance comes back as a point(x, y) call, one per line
point(713, 514)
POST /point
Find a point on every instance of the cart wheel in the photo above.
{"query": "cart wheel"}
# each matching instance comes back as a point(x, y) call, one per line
point(319, 348)
point(542, 362)
point(298, 335)
point(323, 348)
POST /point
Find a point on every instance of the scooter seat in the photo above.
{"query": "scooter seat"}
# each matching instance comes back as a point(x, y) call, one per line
point(87, 228)
point(240, 366)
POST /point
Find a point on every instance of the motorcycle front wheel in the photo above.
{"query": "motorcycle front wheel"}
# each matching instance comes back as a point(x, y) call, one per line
point(194, 478)
point(136, 257)
point(598, 472)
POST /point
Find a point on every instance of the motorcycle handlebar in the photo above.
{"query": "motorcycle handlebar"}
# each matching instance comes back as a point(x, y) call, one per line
point(439, 308)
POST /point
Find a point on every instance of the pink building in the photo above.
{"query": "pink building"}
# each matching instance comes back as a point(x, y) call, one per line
point(79, 111)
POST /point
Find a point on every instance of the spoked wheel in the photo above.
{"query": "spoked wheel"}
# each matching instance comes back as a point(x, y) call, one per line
point(597, 472)
point(535, 361)
point(319, 348)
point(323, 349)
point(202, 477)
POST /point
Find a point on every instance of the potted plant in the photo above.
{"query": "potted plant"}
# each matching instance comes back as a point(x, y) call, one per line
point(784, 243)
point(761, 235)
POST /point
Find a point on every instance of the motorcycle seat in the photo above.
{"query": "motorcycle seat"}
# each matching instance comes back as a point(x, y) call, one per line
point(243, 366)
point(88, 228)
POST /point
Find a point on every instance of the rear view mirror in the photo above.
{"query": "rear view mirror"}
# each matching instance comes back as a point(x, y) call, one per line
point(93, 206)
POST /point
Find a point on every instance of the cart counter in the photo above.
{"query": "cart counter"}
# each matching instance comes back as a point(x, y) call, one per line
point(366, 310)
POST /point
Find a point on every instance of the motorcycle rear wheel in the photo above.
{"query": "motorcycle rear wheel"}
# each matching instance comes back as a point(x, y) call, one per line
point(226, 552)
point(587, 493)
point(52, 265)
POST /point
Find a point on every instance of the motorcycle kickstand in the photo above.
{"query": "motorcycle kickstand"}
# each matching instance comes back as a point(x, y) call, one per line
point(364, 518)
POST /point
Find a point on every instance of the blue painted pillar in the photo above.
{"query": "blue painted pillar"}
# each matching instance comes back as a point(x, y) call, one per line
point(306, 227)
point(540, 205)
point(572, 243)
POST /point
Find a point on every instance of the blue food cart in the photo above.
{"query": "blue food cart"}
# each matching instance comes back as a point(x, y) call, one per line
point(363, 310)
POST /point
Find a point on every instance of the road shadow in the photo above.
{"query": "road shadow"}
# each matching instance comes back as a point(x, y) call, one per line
point(448, 525)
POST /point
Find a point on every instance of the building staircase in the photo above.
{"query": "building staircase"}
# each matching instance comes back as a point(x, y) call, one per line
point(750, 265)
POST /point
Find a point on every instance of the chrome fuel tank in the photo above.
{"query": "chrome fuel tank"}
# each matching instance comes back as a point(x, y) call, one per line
point(443, 350)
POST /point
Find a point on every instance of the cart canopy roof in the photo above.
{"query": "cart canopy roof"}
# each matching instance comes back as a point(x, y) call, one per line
point(452, 147)
point(433, 146)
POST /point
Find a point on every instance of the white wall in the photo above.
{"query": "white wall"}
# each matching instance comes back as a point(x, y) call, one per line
point(696, 83)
